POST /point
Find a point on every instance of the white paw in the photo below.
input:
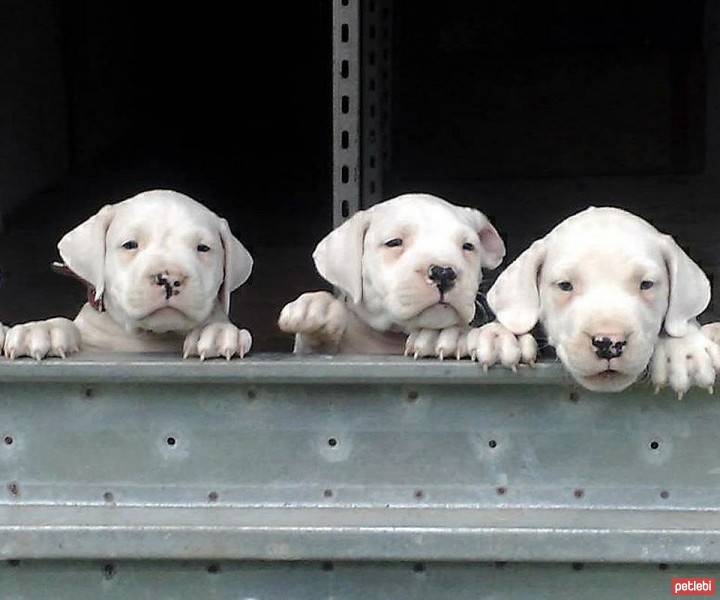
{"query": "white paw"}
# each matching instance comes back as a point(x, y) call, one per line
point(493, 343)
point(684, 362)
point(436, 342)
point(712, 332)
point(318, 315)
point(54, 337)
point(217, 339)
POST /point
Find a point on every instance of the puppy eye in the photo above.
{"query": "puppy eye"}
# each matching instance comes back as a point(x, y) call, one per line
point(394, 243)
point(468, 246)
point(565, 286)
point(203, 248)
point(130, 245)
point(646, 284)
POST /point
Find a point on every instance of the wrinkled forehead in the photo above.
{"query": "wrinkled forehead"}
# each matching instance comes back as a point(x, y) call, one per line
point(605, 251)
point(418, 217)
point(160, 216)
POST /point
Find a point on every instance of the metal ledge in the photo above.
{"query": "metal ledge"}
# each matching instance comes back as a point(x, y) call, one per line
point(278, 457)
point(270, 368)
point(440, 534)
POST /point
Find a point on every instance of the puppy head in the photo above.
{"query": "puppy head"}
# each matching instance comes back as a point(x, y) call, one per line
point(413, 261)
point(159, 260)
point(603, 283)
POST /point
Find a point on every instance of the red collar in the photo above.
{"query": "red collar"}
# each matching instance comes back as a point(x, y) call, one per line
point(96, 303)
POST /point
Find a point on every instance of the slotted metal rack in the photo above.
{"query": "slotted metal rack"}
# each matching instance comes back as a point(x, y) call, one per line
point(348, 477)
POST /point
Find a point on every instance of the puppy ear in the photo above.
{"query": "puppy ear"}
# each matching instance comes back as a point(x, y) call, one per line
point(83, 249)
point(689, 288)
point(338, 256)
point(515, 298)
point(238, 264)
point(490, 240)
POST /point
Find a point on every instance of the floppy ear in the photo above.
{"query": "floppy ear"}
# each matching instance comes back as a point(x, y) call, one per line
point(238, 264)
point(83, 249)
point(338, 256)
point(689, 288)
point(490, 240)
point(515, 298)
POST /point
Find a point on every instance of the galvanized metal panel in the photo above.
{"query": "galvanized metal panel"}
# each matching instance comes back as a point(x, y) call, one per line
point(170, 580)
point(358, 533)
point(353, 457)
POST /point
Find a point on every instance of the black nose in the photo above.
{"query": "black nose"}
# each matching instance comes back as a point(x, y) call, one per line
point(444, 277)
point(607, 348)
point(164, 280)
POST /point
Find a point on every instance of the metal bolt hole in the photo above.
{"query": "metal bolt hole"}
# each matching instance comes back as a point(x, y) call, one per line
point(171, 441)
point(9, 440)
point(332, 442)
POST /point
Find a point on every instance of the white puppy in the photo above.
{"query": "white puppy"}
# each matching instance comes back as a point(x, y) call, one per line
point(160, 268)
point(611, 292)
point(407, 266)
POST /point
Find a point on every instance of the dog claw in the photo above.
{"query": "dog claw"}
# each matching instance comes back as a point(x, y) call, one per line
point(711, 390)
point(680, 395)
point(61, 353)
point(473, 356)
point(514, 368)
point(202, 356)
point(441, 354)
point(416, 355)
point(485, 367)
point(657, 389)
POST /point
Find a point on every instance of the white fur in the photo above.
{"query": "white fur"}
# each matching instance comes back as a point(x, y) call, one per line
point(605, 253)
point(163, 295)
point(387, 292)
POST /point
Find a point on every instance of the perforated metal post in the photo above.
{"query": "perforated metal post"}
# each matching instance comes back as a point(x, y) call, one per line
point(361, 103)
point(346, 109)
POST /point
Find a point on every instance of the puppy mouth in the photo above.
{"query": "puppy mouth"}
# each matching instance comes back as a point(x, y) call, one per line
point(608, 380)
point(162, 312)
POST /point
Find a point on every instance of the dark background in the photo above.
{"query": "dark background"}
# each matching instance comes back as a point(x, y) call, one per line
point(107, 99)
point(527, 110)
